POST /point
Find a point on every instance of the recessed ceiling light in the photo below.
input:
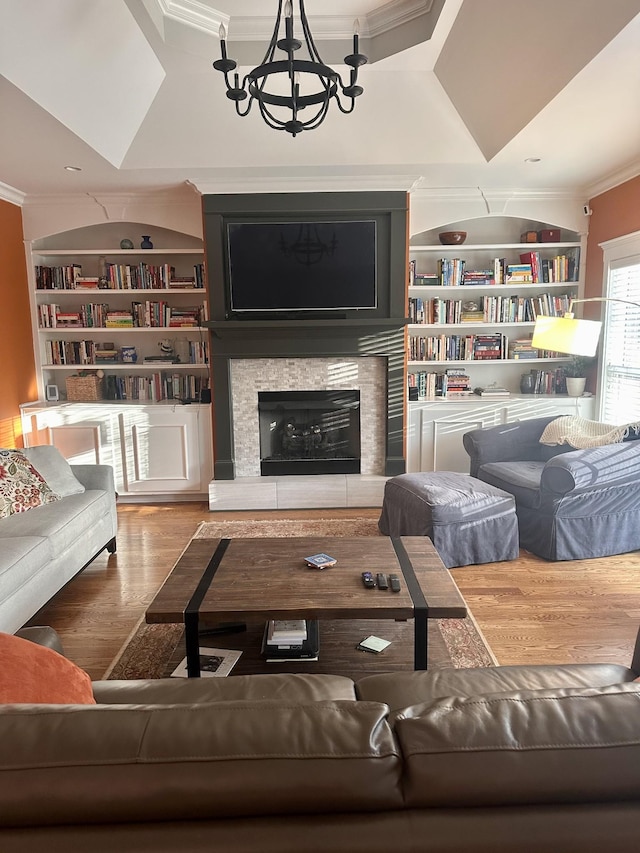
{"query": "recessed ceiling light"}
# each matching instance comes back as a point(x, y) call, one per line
point(532, 159)
point(73, 168)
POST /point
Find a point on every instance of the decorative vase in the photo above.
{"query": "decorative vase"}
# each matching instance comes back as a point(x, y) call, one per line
point(527, 383)
point(128, 355)
point(126, 244)
point(575, 385)
point(146, 243)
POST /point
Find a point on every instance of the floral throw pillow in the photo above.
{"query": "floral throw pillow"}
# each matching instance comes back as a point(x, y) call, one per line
point(21, 486)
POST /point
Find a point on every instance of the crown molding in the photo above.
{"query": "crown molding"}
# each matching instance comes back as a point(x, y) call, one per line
point(322, 183)
point(193, 14)
point(395, 14)
point(386, 17)
point(499, 194)
point(12, 195)
point(621, 176)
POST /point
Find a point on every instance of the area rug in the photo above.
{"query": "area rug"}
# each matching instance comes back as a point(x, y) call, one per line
point(153, 651)
point(288, 527)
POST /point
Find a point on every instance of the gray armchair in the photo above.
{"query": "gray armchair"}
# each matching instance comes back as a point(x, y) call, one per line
point(571, 504)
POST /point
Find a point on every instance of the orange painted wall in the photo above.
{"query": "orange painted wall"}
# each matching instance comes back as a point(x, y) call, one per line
point(17, 366)
point(615, 213)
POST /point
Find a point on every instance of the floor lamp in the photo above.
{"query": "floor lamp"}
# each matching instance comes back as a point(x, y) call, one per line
point(568, 334)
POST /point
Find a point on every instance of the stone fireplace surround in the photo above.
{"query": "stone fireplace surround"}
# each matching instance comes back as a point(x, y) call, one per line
point(250, 376)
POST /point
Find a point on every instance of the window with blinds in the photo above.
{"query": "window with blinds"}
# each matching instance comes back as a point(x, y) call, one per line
point(620, 376)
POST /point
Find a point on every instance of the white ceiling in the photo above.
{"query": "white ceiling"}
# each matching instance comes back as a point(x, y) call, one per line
point(459, 95)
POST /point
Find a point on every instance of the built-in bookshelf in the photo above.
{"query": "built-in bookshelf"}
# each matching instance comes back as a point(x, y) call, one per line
point(135, 315)
point(472, 308)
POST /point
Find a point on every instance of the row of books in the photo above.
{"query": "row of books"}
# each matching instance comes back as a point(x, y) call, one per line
point(451, 383)
point(522, 349)
point(61, 352)
point(154, 387)
point(478, 277)
point(142, 315)
point(532, 269)
point(198, 352)
point(549, 381)
point(450, 271)
point(488, 309)
point(431, 385)
point(564, 267)
point(57, 278)
point(458, 347)
point(140, 276)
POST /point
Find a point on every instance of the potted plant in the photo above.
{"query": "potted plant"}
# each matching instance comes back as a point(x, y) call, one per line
point(575, 371)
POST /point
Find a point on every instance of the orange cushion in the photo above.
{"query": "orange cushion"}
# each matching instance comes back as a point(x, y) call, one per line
point(36, 674)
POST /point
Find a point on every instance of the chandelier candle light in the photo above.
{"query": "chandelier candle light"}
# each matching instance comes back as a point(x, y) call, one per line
point(326, 84)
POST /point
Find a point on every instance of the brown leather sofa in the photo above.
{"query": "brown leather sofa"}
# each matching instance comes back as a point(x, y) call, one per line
point(529, 758)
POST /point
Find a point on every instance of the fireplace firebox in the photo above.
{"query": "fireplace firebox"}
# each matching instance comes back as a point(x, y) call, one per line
point(309, 432)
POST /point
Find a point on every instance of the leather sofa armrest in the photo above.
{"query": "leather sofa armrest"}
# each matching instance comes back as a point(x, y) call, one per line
point(513, 442)
point(592, 469)
point(42, 635)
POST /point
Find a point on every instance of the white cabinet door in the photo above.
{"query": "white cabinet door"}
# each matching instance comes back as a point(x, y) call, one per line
point(436, 430)
point(163, 449)
point(155, 451)
point(84, 433)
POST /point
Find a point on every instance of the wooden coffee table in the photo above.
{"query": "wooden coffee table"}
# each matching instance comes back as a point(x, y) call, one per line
point(221, 580)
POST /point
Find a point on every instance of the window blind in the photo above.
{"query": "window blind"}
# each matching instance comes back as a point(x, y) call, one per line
point(621, 344)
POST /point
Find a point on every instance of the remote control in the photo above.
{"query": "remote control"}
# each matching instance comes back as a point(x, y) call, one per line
point(367, 580)
point(394, 583)
point(382, 581)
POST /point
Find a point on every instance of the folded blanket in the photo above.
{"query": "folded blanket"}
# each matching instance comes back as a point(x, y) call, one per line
point(581, 433)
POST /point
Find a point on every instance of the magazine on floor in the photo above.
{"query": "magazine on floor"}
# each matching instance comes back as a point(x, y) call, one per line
point(213, 662)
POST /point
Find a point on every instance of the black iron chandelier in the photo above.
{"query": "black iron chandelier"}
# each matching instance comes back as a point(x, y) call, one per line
point(299, 75)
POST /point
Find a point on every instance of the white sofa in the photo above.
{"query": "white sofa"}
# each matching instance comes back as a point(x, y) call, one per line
point(43, 548)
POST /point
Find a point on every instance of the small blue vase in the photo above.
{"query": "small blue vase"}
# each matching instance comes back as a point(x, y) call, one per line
point(146, 243)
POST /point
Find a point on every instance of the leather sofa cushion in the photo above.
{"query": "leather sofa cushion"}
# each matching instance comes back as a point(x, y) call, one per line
point(183, 762)
point(302, 688)
point(401, 689)
point(576, 745)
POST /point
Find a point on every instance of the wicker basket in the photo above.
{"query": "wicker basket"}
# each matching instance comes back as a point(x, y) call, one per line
point(84, 389)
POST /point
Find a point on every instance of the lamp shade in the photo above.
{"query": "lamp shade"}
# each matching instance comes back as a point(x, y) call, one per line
point(567, 335)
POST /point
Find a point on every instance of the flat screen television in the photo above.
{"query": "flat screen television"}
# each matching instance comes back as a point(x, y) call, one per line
point(307, 266)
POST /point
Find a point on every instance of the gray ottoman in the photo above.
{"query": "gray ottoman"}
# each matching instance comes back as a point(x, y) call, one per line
point(467, 520)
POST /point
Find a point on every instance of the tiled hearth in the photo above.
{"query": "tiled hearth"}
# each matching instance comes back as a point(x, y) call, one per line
point(249, 490)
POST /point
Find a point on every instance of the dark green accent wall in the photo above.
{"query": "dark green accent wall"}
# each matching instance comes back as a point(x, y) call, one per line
point(380, 334)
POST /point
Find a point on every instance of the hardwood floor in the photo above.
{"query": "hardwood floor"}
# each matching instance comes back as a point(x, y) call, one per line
point(530, 610)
